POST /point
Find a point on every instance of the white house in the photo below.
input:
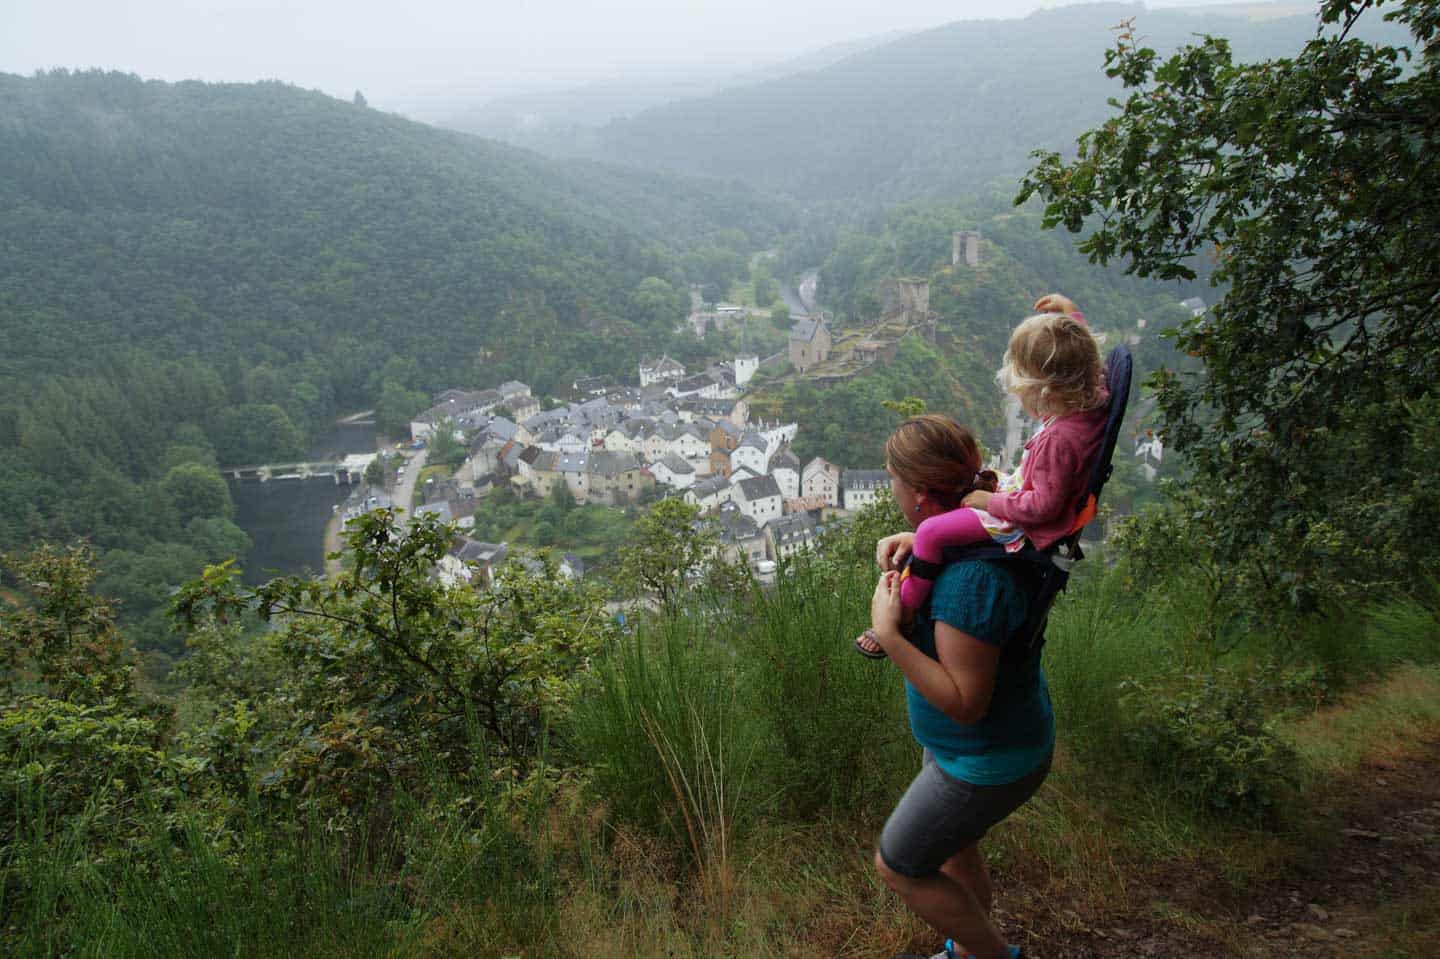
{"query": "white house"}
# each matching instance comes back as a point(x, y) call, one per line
point(860, 488)
point(673, 471)
point(739, 538)
point(788, 535)
point(702, 385)
point(691, 442)
point(742, 473)
point(753, 454)
point(573, 442)
point(759, 498)
point(660, 371)
point(655, 445)
point(777, 435)
point(822, 479)
point(619, 441)
point(785, 467)
point(710, 493)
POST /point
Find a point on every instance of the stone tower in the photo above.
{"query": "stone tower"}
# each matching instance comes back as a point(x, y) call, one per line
point(914, 300)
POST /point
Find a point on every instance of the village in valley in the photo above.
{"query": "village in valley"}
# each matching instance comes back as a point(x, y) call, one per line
point(672, 433)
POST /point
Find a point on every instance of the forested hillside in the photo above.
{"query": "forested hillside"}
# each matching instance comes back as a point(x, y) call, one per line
point(202, 274)
point(265, 223)
point(932, 115)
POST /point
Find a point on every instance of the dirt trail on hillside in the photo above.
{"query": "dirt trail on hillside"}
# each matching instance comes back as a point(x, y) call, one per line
point(1369, 887)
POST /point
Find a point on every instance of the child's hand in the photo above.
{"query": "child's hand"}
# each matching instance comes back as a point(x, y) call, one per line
point(1056, 303)
point(891, 551)
point(976, 499)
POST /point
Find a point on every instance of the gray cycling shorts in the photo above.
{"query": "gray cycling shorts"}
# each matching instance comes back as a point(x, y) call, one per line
point(940, 815)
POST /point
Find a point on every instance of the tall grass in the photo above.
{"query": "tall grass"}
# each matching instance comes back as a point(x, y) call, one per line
point(672, 745)
point(179, 894)
point(836, 719)
point(1101, 634)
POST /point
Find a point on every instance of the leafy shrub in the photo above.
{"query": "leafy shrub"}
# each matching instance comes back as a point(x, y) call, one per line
point(1210, 737)
point(386, 664)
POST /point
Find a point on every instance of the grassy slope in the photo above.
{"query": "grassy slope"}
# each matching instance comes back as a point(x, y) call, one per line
point(773, 858)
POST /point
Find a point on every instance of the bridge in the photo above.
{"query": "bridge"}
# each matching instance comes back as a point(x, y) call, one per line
point(349, 470)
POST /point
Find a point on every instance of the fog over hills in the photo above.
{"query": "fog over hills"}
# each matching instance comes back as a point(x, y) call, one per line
point(933, 114)
point(562, 121)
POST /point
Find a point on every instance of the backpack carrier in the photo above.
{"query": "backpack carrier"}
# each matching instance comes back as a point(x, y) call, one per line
point(1046, 572)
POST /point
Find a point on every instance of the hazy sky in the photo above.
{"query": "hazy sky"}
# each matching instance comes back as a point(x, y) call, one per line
point(401, 53)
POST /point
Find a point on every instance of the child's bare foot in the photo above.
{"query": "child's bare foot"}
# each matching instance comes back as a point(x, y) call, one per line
point(866, 646)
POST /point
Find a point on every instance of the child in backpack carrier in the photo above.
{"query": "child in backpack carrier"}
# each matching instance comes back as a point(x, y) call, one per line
point(1053, 366)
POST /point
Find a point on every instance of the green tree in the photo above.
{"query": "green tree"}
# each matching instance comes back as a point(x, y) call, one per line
point(668, 544)
point(1308, 185)
point(561, 497)
point(444, 447)
point(197, 491)
point(658, 305)
point(77, 739)
point(253, 433)
point(764, 285)
point(397, 406)
point(780, 316)
point(376, 472)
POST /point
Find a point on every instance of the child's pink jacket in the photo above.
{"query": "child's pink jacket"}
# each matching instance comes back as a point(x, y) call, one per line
point(1054, 473)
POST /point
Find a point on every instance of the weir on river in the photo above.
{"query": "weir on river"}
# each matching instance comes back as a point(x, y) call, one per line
point(341, 472)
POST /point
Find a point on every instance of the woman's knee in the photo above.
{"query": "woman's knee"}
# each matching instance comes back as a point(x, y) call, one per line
point(890, 877)
point(967, 863)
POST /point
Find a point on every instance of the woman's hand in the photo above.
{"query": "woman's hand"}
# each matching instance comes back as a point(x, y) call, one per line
point(890, 552)
point(1056, 303)
point(976, 499)
point(885, 609)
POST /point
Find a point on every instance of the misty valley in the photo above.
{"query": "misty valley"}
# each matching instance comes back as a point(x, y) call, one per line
point(452, 529)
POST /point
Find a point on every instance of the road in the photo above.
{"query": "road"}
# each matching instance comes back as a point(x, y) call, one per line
point(401, 495)
point(404, 492)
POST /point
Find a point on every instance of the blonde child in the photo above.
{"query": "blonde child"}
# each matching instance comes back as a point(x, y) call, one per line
point(1053, 366)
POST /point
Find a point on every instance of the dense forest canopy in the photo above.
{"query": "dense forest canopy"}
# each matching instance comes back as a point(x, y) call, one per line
point(267, 224)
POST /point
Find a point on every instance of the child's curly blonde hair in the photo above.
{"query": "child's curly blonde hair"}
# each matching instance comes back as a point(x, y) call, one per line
point(1053, 365)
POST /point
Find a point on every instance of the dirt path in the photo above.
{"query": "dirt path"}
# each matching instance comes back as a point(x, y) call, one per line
point(1370, 886)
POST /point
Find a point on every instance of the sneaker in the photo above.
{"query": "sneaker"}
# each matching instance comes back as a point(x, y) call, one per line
point(947, 953)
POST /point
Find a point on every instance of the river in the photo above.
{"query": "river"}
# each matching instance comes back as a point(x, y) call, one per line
point(285, 519)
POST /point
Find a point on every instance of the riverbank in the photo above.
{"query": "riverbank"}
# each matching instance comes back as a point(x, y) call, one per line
point(333, 563)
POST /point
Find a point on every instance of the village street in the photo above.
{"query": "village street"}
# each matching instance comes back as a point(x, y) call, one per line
point(404, 493)
point(402, 496)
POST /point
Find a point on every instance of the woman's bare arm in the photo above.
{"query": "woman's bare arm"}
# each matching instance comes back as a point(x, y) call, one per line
point(961, 683)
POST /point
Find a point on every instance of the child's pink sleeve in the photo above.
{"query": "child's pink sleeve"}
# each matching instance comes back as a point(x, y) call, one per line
point(1053, 477)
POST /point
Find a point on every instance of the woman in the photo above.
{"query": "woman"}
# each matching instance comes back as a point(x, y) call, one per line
point(978, 702)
